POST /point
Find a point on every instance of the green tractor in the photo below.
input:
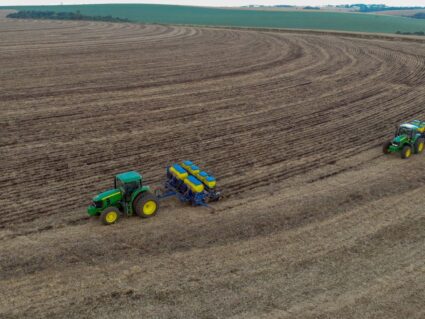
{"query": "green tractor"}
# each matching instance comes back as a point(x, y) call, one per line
point(128, 197)
point(409, 139)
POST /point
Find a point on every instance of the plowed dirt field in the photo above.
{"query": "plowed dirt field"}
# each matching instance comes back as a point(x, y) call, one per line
point(316, 223)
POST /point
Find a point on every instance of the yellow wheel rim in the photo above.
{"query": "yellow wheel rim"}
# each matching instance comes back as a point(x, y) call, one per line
point(408, 152)
point(111, 217)
point(149, 208)
point(421, 147)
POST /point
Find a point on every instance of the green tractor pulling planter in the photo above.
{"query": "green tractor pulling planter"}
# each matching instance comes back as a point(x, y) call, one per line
point(129, 197)
point(409, 138)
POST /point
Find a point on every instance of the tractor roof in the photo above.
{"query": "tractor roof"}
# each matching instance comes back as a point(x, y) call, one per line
point(128, 177)
point(409, 126)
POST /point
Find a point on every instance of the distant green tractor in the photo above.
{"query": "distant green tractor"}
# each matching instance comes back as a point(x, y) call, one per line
point(409, 139)
point(128, 197)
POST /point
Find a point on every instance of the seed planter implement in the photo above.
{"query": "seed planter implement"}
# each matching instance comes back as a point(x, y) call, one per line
point(189, 184)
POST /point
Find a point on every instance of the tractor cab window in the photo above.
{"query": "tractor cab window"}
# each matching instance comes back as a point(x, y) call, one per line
point(118, 183)
point(404, 131)
point(129, 188)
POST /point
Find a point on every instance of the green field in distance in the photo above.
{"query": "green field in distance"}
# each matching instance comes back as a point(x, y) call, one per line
point(170, 14)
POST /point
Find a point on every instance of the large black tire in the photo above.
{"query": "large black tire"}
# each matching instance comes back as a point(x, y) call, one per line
point(406, 152)
point(419, 146)
point(385, 147)
point(146, 205)
point(110, 216)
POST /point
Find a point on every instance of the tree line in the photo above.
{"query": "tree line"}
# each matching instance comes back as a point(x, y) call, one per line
point(411, 33)
point(62, 16)
point(375, 7)
point(420, 15)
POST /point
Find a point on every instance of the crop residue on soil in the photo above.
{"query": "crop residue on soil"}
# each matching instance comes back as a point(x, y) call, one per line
point(316, 222)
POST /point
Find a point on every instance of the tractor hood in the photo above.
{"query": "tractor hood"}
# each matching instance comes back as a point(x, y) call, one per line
point(400, 139)
point(106, 195)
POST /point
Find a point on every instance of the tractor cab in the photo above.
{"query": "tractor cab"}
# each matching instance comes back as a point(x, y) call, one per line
point(127, 183)
point(407, 130)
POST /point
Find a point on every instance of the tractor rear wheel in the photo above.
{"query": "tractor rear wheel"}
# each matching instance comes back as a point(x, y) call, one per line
point(146, 205)
point(110, 216)
point(406, 152)
point(386, 147)
point(419, 146)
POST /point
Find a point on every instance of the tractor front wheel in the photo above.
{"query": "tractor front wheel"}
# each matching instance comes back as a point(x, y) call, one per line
point(386, 147)
point(146, 205)
point(419, 146)
point(406, 152)
point(110, 216)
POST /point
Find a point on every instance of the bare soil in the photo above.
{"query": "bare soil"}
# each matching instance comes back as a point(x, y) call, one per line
point(317, 222)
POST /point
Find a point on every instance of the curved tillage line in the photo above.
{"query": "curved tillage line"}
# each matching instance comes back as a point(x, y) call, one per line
point(83, 101)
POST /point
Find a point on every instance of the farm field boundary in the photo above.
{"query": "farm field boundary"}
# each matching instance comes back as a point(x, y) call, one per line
point(167, 14)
